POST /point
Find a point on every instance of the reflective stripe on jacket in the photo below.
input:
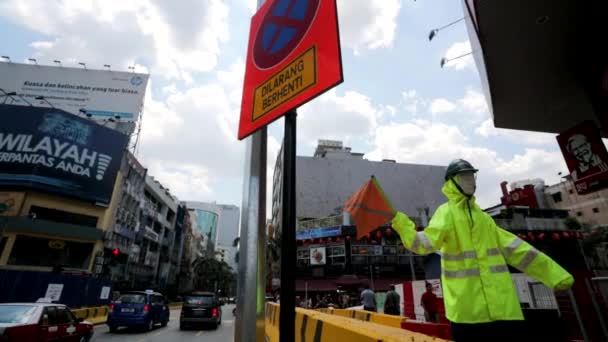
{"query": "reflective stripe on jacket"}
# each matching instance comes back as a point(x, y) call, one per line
point(477, 285)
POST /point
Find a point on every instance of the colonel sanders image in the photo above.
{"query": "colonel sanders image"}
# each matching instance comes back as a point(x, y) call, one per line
point(580, 148)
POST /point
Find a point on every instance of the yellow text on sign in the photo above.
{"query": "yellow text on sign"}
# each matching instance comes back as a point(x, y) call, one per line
point(286, 84)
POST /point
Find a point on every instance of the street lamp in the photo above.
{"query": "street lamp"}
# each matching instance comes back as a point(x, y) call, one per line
point(33, 60)
point(445, 60)
point(434, 32)
point(58, 62)
point(6, 58)
point(84, 65)
point(107, 66)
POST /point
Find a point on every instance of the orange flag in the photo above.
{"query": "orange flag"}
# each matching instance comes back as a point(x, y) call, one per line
point(369, 207)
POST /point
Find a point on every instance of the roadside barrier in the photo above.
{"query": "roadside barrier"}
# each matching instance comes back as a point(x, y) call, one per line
point(316, 326)
point(95, 315)
point(367, 316)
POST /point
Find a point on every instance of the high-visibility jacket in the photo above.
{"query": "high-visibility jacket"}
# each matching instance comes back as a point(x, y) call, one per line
point(477, 285)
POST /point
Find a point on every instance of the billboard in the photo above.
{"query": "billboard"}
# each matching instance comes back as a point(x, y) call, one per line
point(318, 233)
point(51, 150)
point(101, 93)
point(317, 256)
point(586, 156)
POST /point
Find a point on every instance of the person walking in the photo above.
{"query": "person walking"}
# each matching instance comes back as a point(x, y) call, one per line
point(428, 301)
point(368, 299)
point(392, 302)
point(480, 298)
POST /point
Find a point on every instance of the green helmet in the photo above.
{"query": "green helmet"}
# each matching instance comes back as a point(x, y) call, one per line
point(458, 166)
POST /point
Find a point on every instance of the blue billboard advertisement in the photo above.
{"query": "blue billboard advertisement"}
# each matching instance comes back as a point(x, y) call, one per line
point(51, 150)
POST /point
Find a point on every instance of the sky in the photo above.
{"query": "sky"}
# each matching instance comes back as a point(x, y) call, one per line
point(395, 103)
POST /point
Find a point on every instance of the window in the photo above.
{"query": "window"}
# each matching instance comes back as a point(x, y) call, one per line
point(49, 316)
point(132, 298)
point(63, 216)
point(50, 252)
point(16, 313)
point(596, 210)
point(64, 315)
point(570, 191)
point(557, 197)
point(579, 214)
point(335, 255)
point(207, 300)
point(303, 257)
point(158, 300)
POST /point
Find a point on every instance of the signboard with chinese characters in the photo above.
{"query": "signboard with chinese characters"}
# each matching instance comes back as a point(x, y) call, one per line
point(586, 157)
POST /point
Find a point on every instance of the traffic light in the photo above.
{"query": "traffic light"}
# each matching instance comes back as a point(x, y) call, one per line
point(115, 252)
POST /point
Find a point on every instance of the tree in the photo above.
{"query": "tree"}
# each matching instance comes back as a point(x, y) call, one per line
point(212, 275)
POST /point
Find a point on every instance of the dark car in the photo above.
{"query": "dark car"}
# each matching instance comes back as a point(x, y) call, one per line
point(41, 322)
point(143, 309)
point(201, 308)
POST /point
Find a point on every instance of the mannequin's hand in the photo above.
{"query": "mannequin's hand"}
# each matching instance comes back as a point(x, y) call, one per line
point(564, 284)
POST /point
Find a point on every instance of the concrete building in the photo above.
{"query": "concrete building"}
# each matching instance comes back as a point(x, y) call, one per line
point(334, 173)
point(590, 209)
point(126, 221)
point(156, 238)
point(217, 225)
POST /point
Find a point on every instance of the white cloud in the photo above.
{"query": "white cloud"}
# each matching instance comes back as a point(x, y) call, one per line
point(332, 116)
point(487, 130)
point(368, 24)
point(442, 105)
point(474, 101)
point(175, 38)
point(456, 50)
point(434, 143)
point(42, 45)
point(412, 101)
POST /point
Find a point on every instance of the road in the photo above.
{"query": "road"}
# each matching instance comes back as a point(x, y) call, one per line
point(171, 333)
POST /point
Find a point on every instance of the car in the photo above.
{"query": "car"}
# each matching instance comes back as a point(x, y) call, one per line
point(139, 309)
point(201, 308)
point(42, 322)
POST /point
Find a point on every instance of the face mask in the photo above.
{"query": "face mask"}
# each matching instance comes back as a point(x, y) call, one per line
point(467, 182)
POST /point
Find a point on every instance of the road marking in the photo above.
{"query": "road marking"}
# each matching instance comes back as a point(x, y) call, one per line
point(199, 333)
point(228, 321)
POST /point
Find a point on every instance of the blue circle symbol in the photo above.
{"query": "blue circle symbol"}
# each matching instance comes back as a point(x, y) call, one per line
point(282, 29)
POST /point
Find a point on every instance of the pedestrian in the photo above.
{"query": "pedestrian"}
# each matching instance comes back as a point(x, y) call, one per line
point(391, 302)
point(480, 298)
point(368, 299)
point(428, 301)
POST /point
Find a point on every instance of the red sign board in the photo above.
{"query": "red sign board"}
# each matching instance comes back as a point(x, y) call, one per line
point(586, 157)
point(293, 56)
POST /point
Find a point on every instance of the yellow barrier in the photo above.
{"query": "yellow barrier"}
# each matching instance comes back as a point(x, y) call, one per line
point(95, 315)
point(315, 326)
point(388, 320)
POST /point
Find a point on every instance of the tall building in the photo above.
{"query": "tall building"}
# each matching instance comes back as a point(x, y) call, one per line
point(329, 255)
point(218, 226)
point(156, 237)
point(327, 179)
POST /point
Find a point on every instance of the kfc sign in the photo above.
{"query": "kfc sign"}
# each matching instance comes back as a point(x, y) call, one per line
point(586, 157)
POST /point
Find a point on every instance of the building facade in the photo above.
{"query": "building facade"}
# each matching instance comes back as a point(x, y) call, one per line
point(589, 209)
point(217, 226)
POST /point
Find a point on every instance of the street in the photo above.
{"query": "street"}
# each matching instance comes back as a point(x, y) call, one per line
point(224, 333)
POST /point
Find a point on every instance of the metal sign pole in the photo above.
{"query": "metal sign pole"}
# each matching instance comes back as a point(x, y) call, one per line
point(252, 254)
point(287, 323)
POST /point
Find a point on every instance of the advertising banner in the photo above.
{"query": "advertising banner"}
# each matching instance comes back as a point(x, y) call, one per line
point(100, 93)
point(318, 233)
point(586, 157)
point(52, 150)
point(317, 256)
point(10, 203)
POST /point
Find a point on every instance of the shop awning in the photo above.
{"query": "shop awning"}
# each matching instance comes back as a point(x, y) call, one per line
point(55, 229)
